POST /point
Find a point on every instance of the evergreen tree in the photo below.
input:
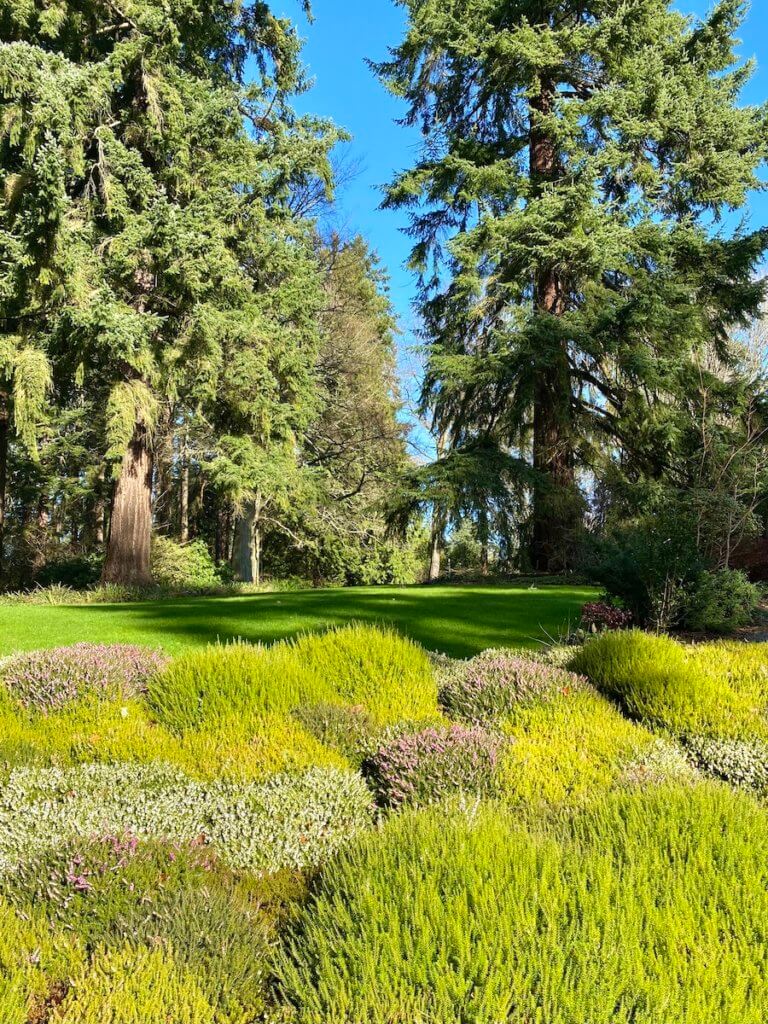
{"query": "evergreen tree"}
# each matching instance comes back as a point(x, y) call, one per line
point(578, 157)
point(148, 218)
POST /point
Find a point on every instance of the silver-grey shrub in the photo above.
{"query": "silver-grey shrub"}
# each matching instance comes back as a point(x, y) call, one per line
point(287, 822)
point(742, 763)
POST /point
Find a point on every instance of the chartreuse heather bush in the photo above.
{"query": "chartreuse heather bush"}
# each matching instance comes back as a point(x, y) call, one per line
point(251, 749)
point(287, 822)
point(569, 751)
point(35, 963)
point(424, 767)
point(658, 681)
point(496, 684)
point(45, 680)
point(650, 907)
point(388, 674)
point(136, 985)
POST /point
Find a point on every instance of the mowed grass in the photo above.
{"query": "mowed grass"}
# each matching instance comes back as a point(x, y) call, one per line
point(458, 620)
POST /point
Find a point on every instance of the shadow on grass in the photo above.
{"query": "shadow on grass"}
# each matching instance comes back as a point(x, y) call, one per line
point(459, 621)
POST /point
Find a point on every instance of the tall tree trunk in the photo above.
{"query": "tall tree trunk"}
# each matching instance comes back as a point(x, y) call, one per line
point(184, 497)
point(554, 504)
point(246, 550)
point(436, 542)
point(130, 532)
point(5, 428)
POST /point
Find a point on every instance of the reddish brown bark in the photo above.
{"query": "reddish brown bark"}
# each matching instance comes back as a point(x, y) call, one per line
point(130, 532)
point(554, 504)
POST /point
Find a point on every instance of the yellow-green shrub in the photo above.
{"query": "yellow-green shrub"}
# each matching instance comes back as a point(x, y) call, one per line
point(34, 963)
point(569, 750)
point(659, 681)
point(650, 907)
point(250, 748)
point(387, 673)
point(136, 986)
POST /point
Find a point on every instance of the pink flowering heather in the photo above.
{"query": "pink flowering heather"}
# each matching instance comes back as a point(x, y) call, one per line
point(496, 683)
point(424, 767)
point(597, 616)
point(46, 680)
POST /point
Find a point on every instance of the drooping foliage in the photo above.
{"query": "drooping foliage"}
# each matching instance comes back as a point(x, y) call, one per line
point(578, 158)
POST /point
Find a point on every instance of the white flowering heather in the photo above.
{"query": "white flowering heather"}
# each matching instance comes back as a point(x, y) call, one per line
point(288, 822)
point(428, 766)
point(743, 764)
point(46, 680)
point(663, 763)
point(495, 683)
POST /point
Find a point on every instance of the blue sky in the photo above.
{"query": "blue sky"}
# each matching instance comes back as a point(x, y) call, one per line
point(343, 35)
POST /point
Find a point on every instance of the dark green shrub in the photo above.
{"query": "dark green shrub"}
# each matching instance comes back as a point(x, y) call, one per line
point(648, 567)
point(78, 572)
point(650, 907)
point(720, 601)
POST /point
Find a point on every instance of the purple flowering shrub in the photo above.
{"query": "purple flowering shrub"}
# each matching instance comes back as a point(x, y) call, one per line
point(46, 680)
point(426, 766)
point(494, 684)
point(597, 616)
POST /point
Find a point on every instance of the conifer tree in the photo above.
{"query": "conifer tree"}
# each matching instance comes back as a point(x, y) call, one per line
point(578, 158)
point(147, 186)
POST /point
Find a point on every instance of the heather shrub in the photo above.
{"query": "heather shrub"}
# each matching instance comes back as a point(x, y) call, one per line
point(227, 682)
point(657, 681)
point(348, 729)
point(250, 749)
point(742, 763)
point(35, 963)
point(424, 767)
point(387, 673)
point(136, 985)
point(662, 763)
point(496, 684)
point(649, 907)
point(46, 680)
point(287, 822)
point(178, 897)
point(569, 751)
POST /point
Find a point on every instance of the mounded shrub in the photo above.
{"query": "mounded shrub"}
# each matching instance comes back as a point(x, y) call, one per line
point(424, 767)
point(720, 601)
point(185, 568)
point(287, 822)
point(390, 675)
point(569, 751)
point(657, 681)
point(178, 898)
point(349, 729)
point(135, 985)
point(743, 764)
point(358, 665)
point(650, 907)
point(496, 684)
point(46, 680)
point(663, 763)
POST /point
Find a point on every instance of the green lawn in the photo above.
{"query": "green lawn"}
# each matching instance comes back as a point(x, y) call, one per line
point(459, 620)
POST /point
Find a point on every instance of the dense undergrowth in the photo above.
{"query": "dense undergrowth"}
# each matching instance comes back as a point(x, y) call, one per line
point(343, 829)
